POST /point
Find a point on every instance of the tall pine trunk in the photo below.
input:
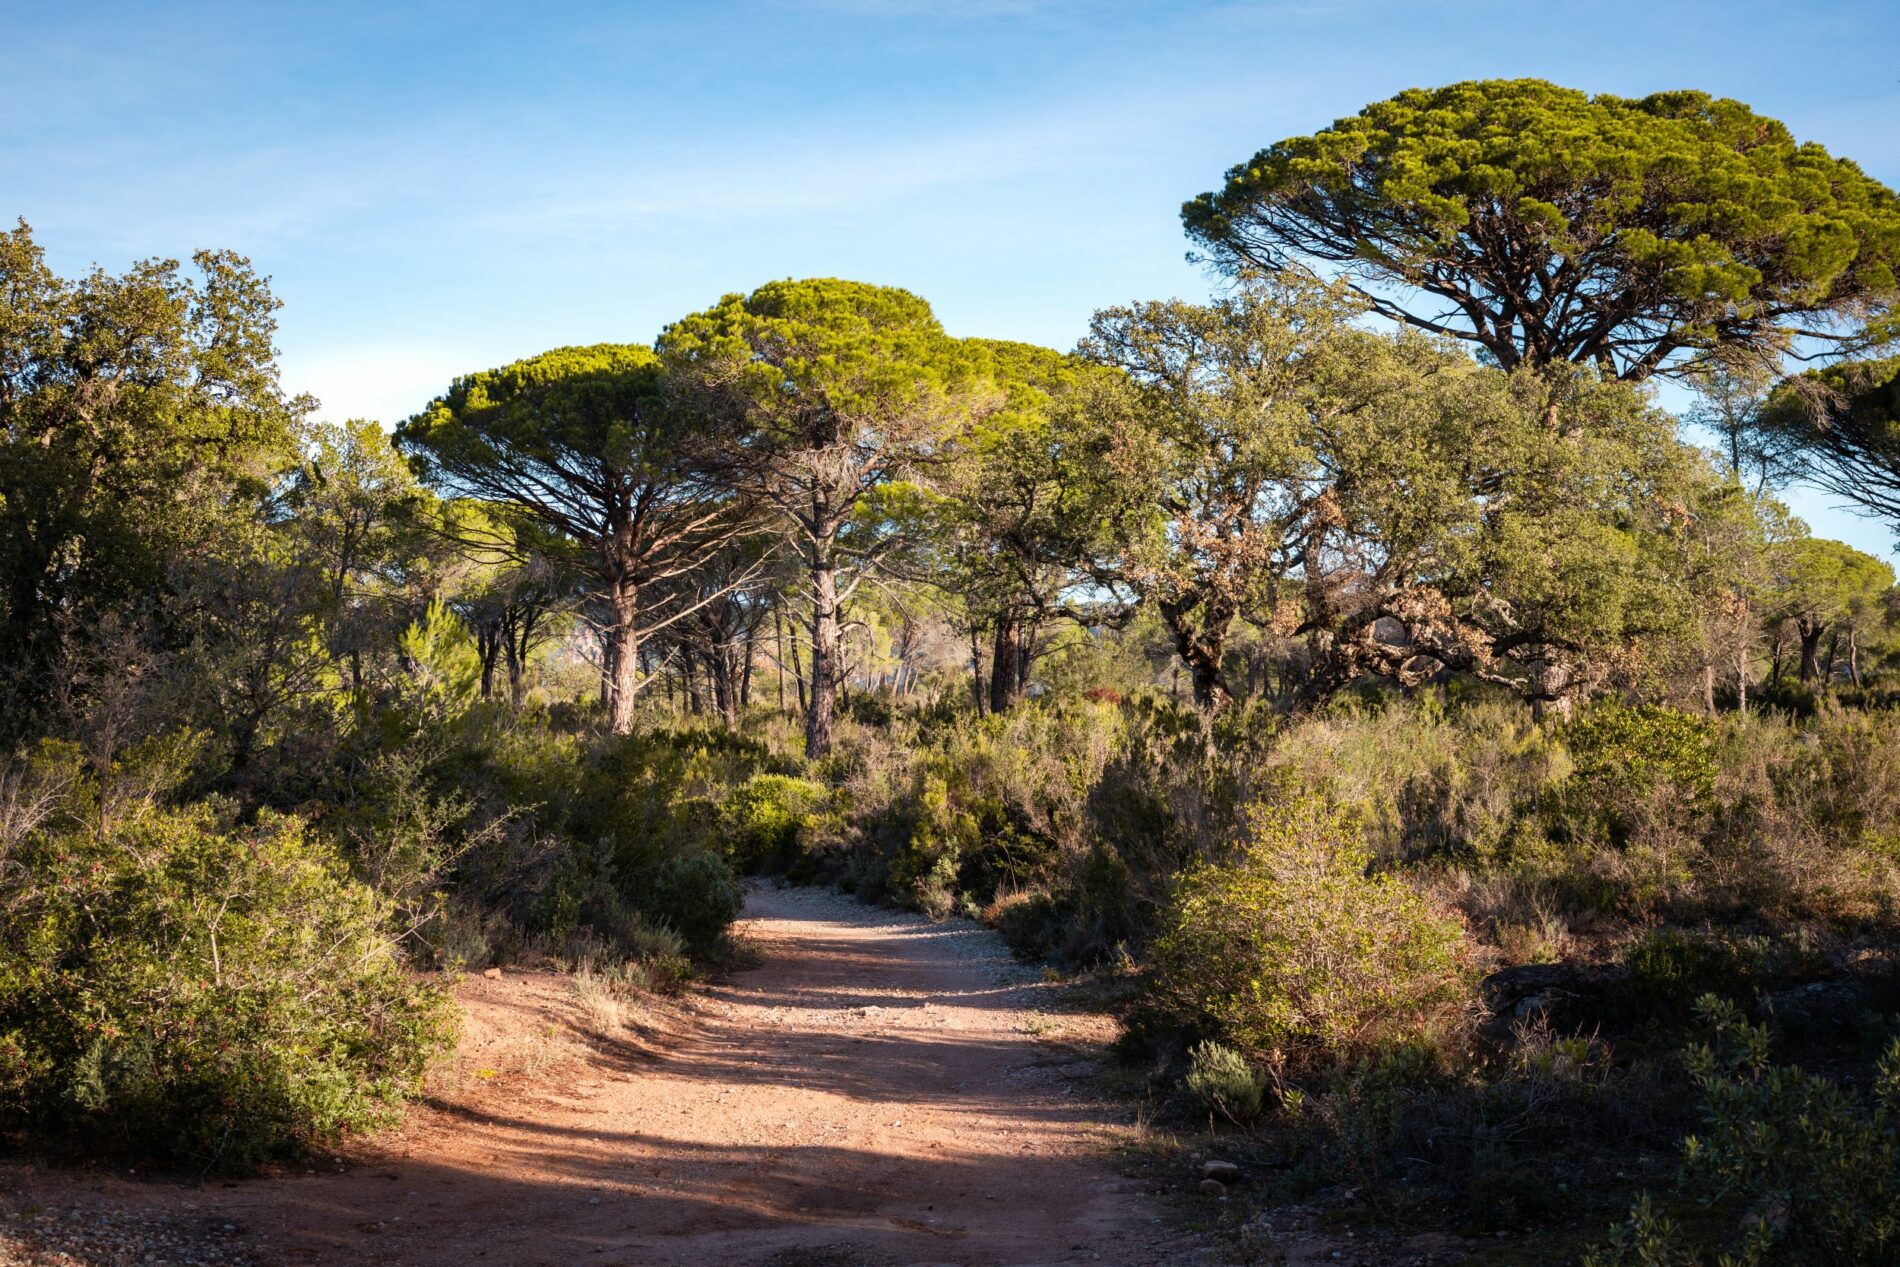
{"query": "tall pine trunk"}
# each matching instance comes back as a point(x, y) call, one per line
point(623, 656)
point(1810, 648)
point(824, 658)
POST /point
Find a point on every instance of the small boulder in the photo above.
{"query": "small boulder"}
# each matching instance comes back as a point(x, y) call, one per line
point(1213, 1188)
point(493, 974)
point(1221, 1172)
point(1572, 997)
point(1820, 1006)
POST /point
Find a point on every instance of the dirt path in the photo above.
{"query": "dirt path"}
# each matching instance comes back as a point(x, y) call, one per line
point(875, 1092)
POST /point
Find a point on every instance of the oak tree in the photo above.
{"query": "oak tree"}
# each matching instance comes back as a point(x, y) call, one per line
point(137, 412)
point(1204, 437)
point(1828, 587)
point(1016, 510)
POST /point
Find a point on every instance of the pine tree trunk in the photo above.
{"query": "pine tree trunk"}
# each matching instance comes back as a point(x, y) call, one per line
point(976, 671)
point(745, 670)
point(624, 660)
point(719, 669)
point(778, 635)
point(1810, 649)
point(824, 659)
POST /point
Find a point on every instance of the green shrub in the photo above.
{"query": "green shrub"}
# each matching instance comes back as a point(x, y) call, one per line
point(629, 831)
point(1428, 778)
point(1813, 1169)
point(971, 809)
point(656, 793)
point(1088, 920)
point(760, 821)
point(1220, 1080)
point(1627, 751)
point(207, 993)
point(1295, 955)
point(580, 894)
point(695, 895)
point(1671, 968)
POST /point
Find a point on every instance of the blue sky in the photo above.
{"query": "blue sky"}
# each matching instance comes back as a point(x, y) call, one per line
point(438, 187)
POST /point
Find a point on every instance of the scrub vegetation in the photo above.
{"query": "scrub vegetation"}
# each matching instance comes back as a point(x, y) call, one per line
point(1481, 802)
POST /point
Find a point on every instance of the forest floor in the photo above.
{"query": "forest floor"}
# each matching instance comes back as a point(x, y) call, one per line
point(875, 1090)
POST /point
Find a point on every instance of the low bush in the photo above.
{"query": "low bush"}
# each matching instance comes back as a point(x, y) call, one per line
point(211, 994)
point(1297, 956)
point(760, 821)
point(695, 895)
point(1670, 969)
point(1221, 1082)
point(590, 843)
point(656, 793)
point(1623, 751)
point(1812, 1169)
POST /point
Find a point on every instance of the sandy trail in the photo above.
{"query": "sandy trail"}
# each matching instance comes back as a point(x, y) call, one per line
point(873, 1092)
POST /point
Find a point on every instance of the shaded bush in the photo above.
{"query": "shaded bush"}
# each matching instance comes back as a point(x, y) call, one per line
point(1671, 968)
point(1294, 954)
point(1813, 1170)
point(695, 895)
point(590, 840)
point(207, 993)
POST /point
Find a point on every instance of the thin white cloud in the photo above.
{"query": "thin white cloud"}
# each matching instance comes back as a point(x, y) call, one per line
point(838, 171)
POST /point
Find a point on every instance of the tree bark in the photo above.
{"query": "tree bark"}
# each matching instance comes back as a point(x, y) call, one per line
point(1810, 647)
point(623, 658)
point(798, 668)
point(976, 672)
point(1552, 691)
point(488, 646)
point(824, 658)
point(778, 634)
point(723, 666)
point(519, 638)
point(750, 658)
point(1201, 653)
point(1006, 665)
